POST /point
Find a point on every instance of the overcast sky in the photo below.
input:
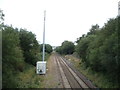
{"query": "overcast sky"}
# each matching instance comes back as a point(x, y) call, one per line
point(65, 19)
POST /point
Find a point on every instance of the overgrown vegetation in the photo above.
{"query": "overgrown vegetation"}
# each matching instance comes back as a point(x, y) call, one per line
point(48, 48)
point(28, 78)
point(20, 49)
point(98, 79)
point(67, 47)
point(98, 51)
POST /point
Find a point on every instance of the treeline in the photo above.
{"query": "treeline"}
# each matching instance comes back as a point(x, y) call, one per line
point(19, 48)
point(67, 47)
point(98, 50)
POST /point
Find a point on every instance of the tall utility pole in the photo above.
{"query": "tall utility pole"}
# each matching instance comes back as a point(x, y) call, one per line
point(41, 65)
point(44, 36)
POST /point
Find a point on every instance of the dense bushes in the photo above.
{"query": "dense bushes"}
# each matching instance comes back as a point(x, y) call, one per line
point(29, 46)
point(99, 50)
point(18, 48)
point(12, 57)
point(67, 47)
point(48, 48)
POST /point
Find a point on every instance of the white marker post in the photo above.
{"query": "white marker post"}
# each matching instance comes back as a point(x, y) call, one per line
point(41, 65)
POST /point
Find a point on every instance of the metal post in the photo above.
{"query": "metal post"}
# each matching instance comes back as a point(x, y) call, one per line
point(44, 37)
point(119, 8)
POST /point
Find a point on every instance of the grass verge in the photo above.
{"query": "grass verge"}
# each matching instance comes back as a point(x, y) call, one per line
point(29, 78)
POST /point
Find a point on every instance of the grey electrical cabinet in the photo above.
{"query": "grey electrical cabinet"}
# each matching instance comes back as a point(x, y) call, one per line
point(41, 67)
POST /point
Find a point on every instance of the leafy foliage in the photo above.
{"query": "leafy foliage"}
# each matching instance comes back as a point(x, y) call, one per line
point(18, 48)
point(29, 46)
point(67, 47)
point(48, 48)
point(99, 50)
point(12, 57)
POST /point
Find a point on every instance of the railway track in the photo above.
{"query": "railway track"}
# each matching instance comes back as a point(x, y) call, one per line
point(70, 77)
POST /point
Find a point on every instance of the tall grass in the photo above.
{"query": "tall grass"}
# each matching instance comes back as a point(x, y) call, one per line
point(29, 78)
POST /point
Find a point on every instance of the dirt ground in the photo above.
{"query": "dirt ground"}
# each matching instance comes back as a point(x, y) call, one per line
point(52, 78)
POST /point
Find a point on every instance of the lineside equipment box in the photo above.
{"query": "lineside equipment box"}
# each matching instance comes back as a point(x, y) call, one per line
point(41, 67)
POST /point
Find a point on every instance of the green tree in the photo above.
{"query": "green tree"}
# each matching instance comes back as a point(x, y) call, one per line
point(67, 47)
point(29, 46)
point(99, 50)
point(93, 29)
point(48, 48)
point(12, 57)
point(82, 47)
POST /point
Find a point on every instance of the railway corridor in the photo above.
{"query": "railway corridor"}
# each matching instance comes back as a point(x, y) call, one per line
point(61, 74)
